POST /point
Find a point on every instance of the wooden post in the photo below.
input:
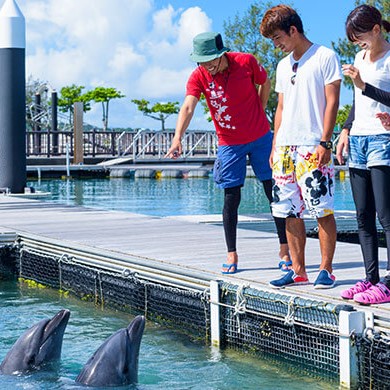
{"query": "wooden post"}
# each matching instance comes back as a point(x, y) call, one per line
point(54, 124)
point(78, 153)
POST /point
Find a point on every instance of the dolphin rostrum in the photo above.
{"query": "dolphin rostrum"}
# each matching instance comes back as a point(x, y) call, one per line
point(38, 345)
point(115, 362)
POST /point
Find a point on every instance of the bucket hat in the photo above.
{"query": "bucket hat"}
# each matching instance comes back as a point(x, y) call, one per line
point(207, 47)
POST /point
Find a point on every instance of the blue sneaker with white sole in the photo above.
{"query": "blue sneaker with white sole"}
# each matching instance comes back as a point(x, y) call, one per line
point(290, 279)
point(324, 280)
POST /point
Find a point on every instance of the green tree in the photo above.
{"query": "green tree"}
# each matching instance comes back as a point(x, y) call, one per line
point(159, 111)
point(68, 96)
point(342, 115)
point(242, 34)
point(104, 95)
point(206, 109)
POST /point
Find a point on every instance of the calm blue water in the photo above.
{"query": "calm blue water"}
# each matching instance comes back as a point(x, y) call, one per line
point(165, 197)
point(167, 359)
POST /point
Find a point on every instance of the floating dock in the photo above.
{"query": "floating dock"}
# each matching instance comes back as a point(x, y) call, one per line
point(150, 170)
point(183, 257)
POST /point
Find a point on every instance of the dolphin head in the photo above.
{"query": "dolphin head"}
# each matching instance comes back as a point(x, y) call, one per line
point(115, 362)
point(37, 346)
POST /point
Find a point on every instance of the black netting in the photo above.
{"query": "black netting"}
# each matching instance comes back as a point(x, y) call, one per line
point(124, 293)
point(374, 362)
point(183, 308)
point(38, 267)
point(321, 314)
point(268, 328)
point(178, 307)
point(8, 255)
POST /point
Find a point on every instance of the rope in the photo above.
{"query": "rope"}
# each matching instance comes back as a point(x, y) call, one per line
point(240, 306)
point(101, 289)
point(289, 319)
point(63, 259)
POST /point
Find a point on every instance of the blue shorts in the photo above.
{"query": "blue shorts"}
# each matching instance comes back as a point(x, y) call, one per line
point(230, 165)
point(366, 151)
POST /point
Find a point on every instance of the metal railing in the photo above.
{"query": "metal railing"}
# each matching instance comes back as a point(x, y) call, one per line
point(138, 145)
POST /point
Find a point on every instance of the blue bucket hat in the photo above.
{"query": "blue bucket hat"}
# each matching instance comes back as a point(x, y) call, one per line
point(207, 47)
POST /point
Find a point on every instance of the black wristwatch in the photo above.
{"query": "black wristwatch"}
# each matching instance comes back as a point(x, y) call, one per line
point(326, 144)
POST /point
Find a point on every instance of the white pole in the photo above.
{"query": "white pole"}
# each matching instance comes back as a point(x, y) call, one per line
point(350, 325)
point(67, 161)
point(215, 320)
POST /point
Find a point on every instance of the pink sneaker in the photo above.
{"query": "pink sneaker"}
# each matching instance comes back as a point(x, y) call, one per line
point(359, 287)
point(375, 294)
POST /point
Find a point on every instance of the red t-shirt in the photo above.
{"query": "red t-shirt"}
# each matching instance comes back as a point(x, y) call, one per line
point(233, 99)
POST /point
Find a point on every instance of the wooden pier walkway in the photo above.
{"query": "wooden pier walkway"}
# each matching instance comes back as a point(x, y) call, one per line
point(181, 243)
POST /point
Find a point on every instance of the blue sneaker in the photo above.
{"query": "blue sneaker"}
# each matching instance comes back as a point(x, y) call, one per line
point(291, 278)
point(324, 280)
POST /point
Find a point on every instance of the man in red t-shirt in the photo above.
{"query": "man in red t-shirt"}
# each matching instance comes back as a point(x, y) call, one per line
point(236, 88)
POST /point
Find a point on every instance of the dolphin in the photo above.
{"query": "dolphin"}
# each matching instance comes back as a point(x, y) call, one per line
point(38, 345)
point(115, 362)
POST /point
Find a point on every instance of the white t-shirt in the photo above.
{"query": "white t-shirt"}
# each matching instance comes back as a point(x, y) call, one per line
point(304, 101)
point(377, 74)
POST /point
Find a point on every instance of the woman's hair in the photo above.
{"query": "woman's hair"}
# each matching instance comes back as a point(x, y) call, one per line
point(363, 19)
point(280, 17)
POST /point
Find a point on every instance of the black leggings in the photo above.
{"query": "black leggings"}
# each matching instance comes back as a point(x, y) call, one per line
point(230, 215)
point(371, 194)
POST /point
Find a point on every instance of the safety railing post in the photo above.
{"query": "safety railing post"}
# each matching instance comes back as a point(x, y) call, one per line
point(351, 324)
point(215, 320)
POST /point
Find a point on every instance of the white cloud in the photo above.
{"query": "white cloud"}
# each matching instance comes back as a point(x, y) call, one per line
point(159, 83)
point(132, 45)
point(125, 57)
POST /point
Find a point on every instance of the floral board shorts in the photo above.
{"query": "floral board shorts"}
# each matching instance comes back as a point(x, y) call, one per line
point(299, 184)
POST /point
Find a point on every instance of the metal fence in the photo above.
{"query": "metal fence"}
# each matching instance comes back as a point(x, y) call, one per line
point(140, 144)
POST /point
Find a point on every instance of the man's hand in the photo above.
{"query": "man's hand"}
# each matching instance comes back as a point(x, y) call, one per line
point(175, 150)
point(323, 155)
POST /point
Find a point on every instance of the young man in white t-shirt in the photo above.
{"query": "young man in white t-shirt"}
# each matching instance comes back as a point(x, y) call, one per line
point(308, 85)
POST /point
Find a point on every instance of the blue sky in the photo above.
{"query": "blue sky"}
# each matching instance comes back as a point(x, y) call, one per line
point(141, 47)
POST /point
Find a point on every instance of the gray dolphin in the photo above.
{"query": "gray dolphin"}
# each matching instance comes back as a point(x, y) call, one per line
point(37, 346)
point(115, 362)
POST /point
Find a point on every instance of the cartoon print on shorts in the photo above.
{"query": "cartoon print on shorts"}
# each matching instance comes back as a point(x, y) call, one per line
point(317, 186)
point(298, 166)
point(307, 164)
point(294, 210)
point(283, 163)
point(275, 191)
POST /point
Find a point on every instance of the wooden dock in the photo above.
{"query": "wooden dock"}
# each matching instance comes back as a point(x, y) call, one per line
point(194, 244)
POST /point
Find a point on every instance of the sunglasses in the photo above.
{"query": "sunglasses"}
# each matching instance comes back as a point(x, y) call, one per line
point(294, 69)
